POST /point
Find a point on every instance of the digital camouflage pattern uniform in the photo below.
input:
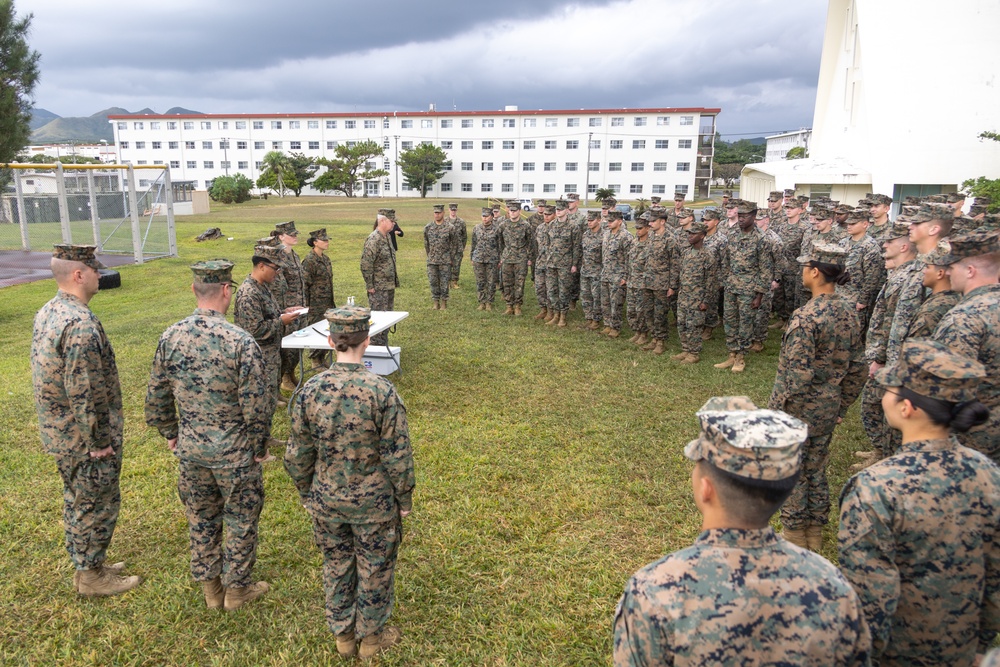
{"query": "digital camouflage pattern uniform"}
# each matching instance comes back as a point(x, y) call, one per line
point(540, 255)
point(695, 280)
point(590, 274)
point(747, 268)
point(257, 313)
point(317, 273)
point(515, 241)
point(714, 244)
point(637, 308)
point(821, 371)
point(931, 312)
point(378, 268)
point(295, 294)
point(351, 461)
point(207, 389)
point(485, 255)
point(763, 314)
point(867, 270)
point(786, 297)
point(440, 242)
point(895, 307)
point(615, 251)
point(920, 530)
point(461, 240)
point(661, 265)
point(579, 220)
point(563, 260)
point(79, 405)
point(741, 596)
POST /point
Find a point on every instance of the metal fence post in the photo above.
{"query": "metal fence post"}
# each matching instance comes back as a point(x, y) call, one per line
point(94, 219)
point(22, 219)
point(67, 232)
point(134, 214)
point(171, 230)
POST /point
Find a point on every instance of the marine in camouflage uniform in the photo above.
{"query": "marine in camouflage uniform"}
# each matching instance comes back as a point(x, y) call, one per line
point(694, 278)
point(540, 260)
point(590, 270)
point(563, 261)
point(714, 241)
point(790, 231)
point(79, 405)
point(317, 273)
point(866, 267)
point(660, 266)
point(295, 295)
point(919, 530)
point(821, 371)
point(763, 315)
point(378, 268)
point(208, 396)
point(352, 463)
point(972, 329)
point(941, 299)
point(741, 595)
point(615, 249)
point(485, 256)
point(820, 230)
point(440, 241)
point(638, 309)
point(579, 220)
point(462, 239)
point(895, 307)
point(775, 210)
point(514, 236)
point(257, 313)
point(747, 267)
point(878, 206)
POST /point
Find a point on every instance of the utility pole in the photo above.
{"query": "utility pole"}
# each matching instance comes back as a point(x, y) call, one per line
point(586, 195)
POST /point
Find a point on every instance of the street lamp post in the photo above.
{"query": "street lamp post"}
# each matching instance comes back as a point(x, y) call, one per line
point(586, 195)
point(396, 142)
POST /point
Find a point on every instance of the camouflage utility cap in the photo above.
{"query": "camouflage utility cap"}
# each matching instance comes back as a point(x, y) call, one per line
point(439, 208)
point(710, 214)
point(844, 208)
point(548, 210)
point(825, 253)
point(270, 242)
point(641, 222)
point(213, 272)
point(655, 200)
point(698, 228)
point(750, 443)
point(733, 203)
point(885, 200)
point(658, 213)
point(685, 213)
point(936, 199)
point(929, 212)
point(977, 242)
point(727, 193)
point(900, 229)
point(348, 319)
point(931, 369)
point(453, 206)
point(982, 201)
point(562, 204)
point(775, 195)
point(319, 235)
point(593, 215)
point(820, 212)
point(955, 197)
point(743, 207)
point(573, 197)
point(78, 253)
point(487, 211)
point(679, 196)
point(512, 204)
point(858, 215)
point(287, 228)
point(610, 202)
point(270, 253)
point(615, 215)
point(789, 192)
point(542, 202)
point(939, 256)
point(388, 213)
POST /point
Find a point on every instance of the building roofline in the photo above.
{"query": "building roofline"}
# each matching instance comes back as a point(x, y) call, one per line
point(416, 114)
point(788, 134)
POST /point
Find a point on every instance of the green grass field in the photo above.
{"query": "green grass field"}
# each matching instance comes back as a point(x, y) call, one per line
point(549, 468)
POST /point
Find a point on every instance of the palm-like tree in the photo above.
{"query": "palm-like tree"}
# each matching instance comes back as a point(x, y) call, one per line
point(280, 165)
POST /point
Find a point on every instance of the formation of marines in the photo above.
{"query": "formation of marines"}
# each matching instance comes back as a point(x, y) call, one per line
point(912, 331)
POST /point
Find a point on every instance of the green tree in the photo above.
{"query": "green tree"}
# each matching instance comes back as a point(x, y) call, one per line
point(422, 166)
point(277, 173)
point(231, 189)
point(796, 153)
point(304, 168)
point(985, 187)
point(727, 172)
point(350, 168)
point(641, 206)
point(18, 76)
point(604, 193)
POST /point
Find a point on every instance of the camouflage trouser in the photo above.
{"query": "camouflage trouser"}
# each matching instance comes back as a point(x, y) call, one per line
point(560, 285)
point(456, 265)
point(272, 367)
point(217, 497)
point(91, 500)
point(716, 307)
point(542, 286)
point(512, 281)
point(290, 358)
point(486, 281)
point(809, 503)
point(634, 312)
point(660, 320)
point(690, 323)
point(574, 291)
point(873, 418)
point(762, 317)
point(786, 297)
point(739, 320)
point(612, 300)
point(358, 565)
point(382, 299)
point(439, 276)
point(590, 298)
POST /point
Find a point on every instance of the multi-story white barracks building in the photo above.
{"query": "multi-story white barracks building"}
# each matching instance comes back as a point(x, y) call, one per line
point(510, 153)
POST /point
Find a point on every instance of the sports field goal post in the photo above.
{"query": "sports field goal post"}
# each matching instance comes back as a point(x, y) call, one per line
point(120, 208)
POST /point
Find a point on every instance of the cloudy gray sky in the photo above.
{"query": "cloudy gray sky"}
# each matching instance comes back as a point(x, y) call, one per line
point(756, 59)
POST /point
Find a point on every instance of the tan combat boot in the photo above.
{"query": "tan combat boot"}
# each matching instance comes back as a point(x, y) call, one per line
point(562, 320)
point(706, 333)
point(613, 333)
point(481, 306)
point(691, 359)
point(594, 325)
point(372, 645)
point(642, 339)
point(543, 314)
point(553, 318)
point(635, 337)
point(572, 305)
point(288, 382)
point(740, 364)
point(517, 309)
point(347, 645)
point(605, 331)
point(510, 310)
point(215, 593)
point(679, 356)
point(796, 537)
point(757, 347)
point(658, 348)
point(115, 568)
point(102, 581)
point(728, 363)
point(437, 305)
point(650, 344)
point(489, 308)
point(779, 324)
point(444, 304)
point(237, 597)
point(814, 537)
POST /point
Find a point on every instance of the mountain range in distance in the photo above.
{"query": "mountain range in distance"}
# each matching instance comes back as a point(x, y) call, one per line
point(50, 128)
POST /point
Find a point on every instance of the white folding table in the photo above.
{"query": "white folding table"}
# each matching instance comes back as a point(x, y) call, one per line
point(314, 336)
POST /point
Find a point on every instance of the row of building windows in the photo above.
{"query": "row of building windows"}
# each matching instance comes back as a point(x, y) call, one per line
point(370, 123)
point(549, 144)
point(571, 166)
point(526, 188)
